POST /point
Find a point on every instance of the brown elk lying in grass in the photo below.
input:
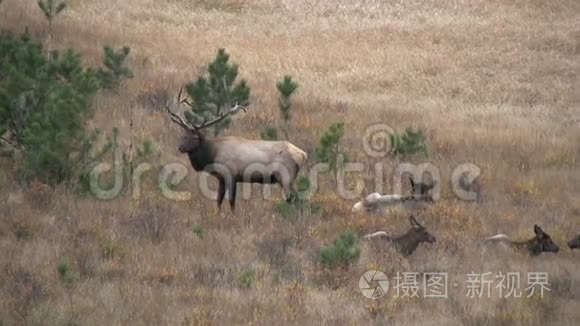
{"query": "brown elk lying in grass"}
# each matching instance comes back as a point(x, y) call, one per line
point(407, 243)
point(236, 159)
point(575, 242)
point(542, 242)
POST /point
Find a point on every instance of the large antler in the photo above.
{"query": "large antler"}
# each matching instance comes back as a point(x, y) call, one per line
point(195, 128)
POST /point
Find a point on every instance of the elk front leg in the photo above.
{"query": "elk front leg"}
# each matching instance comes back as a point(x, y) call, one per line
point(232, 190)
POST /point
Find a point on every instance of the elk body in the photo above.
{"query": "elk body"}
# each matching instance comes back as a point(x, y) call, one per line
point(542, 242)
point(407, 243)
point(234, 160)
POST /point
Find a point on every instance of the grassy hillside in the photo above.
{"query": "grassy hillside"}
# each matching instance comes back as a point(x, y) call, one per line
point(493, 83)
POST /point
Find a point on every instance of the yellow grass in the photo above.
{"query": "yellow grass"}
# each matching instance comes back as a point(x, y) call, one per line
point(494, 83)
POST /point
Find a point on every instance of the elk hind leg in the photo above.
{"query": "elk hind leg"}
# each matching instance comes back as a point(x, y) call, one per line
point(289, 191)
point(221, 193)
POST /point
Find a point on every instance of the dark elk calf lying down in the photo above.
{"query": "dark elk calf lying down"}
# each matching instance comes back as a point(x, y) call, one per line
point(575, 242)
point(235, 159)
point(407, 243)
point(542, 242)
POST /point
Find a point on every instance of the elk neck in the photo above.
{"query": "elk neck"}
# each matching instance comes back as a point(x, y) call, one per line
point(533, 246)
point(408, 242)
point(204, 155)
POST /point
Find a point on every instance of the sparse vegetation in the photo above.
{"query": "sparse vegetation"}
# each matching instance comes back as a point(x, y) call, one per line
point(492, 81)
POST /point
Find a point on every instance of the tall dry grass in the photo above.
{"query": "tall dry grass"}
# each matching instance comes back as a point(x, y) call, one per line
point(494, 83)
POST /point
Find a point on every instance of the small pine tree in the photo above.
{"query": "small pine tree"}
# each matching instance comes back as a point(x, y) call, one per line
point(329, 149)
point(43, 105)
point(286, 88)
point(344, 251)
point(213, 95)
point(411, 142)
point(51, 8)
point(116, 69)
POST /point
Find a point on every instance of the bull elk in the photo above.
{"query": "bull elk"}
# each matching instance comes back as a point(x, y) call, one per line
point(542, 242)
point(235, 159)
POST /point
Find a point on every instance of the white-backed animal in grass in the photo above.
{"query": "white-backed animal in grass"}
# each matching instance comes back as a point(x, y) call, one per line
point(235, 159)
point(540, 243)
point(376, 203)
point(408, 242)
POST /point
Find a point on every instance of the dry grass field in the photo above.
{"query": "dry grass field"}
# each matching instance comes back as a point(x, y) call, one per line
point(493, 83)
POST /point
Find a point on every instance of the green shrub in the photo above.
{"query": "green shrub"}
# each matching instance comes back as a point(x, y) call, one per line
point(199, 230)
point(211, 96)
point(247, 278)
point(344, 251)
point(116, 69)
point(65, 273)
point(411, 142)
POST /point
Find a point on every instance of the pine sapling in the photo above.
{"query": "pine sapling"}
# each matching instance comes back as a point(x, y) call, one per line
point(286, 88)
point(215, 93)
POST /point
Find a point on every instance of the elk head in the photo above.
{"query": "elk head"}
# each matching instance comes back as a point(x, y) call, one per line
point(420, 232)
point(542, 242)
point(193, 137)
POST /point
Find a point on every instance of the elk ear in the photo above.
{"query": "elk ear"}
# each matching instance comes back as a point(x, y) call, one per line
point(414, 222)
point(538, 230)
